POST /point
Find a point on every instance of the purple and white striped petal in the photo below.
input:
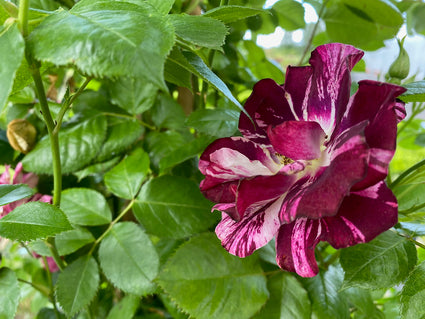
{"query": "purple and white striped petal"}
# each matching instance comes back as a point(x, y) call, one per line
point(266, 105)
point(326, 92)
point(252, 232)
point(321, 194)
point(362, 216)
point(295, 244)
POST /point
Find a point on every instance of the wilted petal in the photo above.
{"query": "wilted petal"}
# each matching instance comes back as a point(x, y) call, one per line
point(295, 244)
point(362, 216)
point(297, 139)
point(252, 232)
point(327, 90)
point(19, 177)
point(5, 177)
point(266, 105)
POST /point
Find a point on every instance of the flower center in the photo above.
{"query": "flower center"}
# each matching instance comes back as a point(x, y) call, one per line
point(283, 159)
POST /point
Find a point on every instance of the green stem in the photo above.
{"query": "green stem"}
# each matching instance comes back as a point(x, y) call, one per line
point(413, 241)
point(52, 289)
point(50, 242)
point(406, 173)
point(42, 289)
point(313, 32)
point(24, 8)
point(67, 105)
point(106, 232)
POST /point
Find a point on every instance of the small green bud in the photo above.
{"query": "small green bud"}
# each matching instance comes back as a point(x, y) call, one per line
point(400, 67)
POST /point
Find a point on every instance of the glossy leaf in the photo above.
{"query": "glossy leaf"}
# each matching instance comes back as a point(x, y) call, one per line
point(409, 197)
point(288, 299)
point(125, 179)
point(97, 169)
point(415, 92)
point(85, 206)
point(122, 132)
point(163, 6)
point(32, 221)
point(160, 144)
point(12, 53)
point(324, 292)
point(125, 308)
point(167, 113)
point(184, 152)
point(193, 63)
point(77, 284)
point(381, 263)
point(70, 241)
point(132, 95)
point(78, 145)
point(215, 122)
point(290, 14)
point(173, 207)
point(12, 193)
point(413, 294)
point(230, 13)
point(207, 282)
point(199, 30)
point(363, 23)
point(10, 293)
point(138, 260)
point(102, 41)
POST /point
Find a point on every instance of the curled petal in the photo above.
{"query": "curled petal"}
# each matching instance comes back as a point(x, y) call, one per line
point(297, 140)
point(20, 178)
point(323, 96)
point(267, 105)
point(5, 177)
point(253, 231)
point(362, 216)
point(295, 244)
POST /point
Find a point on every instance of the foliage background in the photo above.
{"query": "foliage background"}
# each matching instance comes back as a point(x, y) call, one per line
point(151, 84)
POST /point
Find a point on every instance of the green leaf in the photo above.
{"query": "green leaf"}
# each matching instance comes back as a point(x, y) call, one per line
point(193, 63)
point(167, 113)
point(125, 309)
point(324, 291)
point(415, 92)
point(70, 241)
point(199, 30)
point(85, 206)
point(33, 220)
point(10, 294)
point(409, 197)
point(12, 193)
point(229, 14)
point(132, 95)
point(12, 53)
point(99, 168)
point(363, 23)
point(78, 145)
point(66, 242)
point(160, 144)
point(290, 14)
point(173, 207)
point(106, 39)
point(288, 299)
point(184, 152)
point(204, 280)
point(122, 132)
point(163, 6)
point(125, 179)
point(126, 242)
point(77, 284)
point(215, 122)
point(413, 294)
point(381, 263)
point(362, 300)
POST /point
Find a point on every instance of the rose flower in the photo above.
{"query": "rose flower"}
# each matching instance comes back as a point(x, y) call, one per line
point(311, 165)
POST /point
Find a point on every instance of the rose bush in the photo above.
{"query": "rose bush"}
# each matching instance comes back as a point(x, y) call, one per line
point(311, 165)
